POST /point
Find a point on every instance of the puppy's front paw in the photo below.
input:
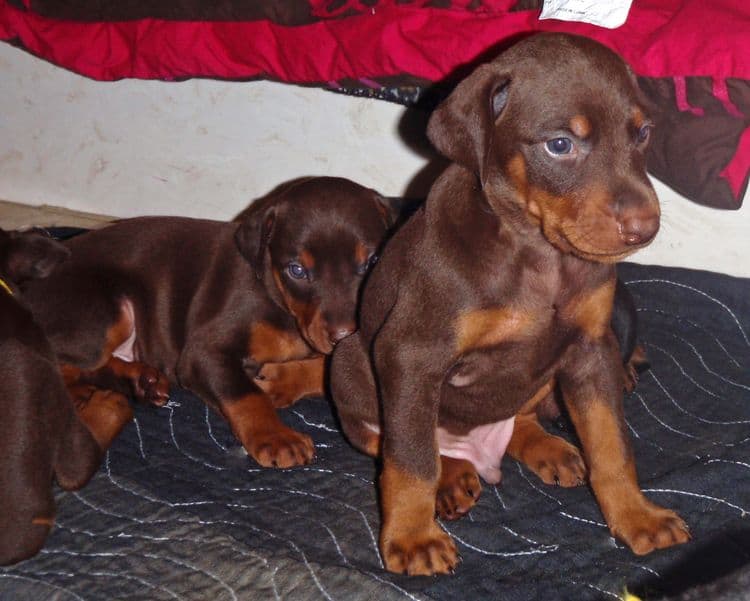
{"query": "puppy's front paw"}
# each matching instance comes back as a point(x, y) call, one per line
point(152, 386)
point(104, 412)
point(650, 527)
point(458, 490)
point(282, 448)
point(556, 461)
point(274, 380)
point(433, 552)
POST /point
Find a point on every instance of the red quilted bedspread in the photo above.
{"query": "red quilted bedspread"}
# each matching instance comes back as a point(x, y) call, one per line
point(696, 47)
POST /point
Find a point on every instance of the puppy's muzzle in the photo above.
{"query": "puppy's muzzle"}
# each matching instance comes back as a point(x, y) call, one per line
point(638, 218)
point(637, 230)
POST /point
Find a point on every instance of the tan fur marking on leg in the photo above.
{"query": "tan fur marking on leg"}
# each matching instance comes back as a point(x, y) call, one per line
point(103, 412)
point(286, 383)
point(553, 459)
point(410, 539)
point(641, 524)
point(266, 439)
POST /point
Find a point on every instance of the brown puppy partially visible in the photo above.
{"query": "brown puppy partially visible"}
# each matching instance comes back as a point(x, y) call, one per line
point(41, 436)
point(502, 287)
point(210, 303)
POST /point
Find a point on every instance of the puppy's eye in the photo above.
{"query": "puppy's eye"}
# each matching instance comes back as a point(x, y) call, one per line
point(644, 133)
point(559, 146)
point(296, 271)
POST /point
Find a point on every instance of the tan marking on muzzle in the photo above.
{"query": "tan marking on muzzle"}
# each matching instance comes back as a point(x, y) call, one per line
point(516, 171)
point(309, 319)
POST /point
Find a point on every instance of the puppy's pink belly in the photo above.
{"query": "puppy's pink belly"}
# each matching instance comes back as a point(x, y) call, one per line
point(484, 447)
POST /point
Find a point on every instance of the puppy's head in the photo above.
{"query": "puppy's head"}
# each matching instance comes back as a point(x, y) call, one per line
point(29, 255)
point(312, 242)
point(556, 129)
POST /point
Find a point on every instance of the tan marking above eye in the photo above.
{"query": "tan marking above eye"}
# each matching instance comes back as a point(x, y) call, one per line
point(307, 260)
point(580, 126)
point(639, 119)
point(486, 327)
point(361, 254)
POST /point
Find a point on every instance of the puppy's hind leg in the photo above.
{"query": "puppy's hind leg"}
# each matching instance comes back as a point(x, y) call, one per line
point(355, 396)
point(354, 393)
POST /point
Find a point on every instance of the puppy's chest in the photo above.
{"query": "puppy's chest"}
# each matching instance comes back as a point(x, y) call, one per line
point(275, 343)
point(536, 317)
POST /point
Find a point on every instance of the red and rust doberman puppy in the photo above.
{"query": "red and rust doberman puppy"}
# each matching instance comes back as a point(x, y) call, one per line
point(42, 436)
point(210, 303)
point(500, 288)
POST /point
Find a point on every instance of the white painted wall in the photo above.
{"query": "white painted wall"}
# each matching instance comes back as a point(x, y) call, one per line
point(205, 148)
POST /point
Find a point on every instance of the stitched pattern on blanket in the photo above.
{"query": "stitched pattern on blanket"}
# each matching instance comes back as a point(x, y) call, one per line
point(178, 511)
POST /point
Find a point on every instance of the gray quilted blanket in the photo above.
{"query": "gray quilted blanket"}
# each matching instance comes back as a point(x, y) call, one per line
point(178, 511)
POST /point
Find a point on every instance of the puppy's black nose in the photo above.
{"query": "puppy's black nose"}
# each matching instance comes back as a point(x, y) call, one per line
point(338, 333)
point(639, 229)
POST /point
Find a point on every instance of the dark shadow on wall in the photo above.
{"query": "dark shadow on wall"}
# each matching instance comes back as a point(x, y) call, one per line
point(412, 126)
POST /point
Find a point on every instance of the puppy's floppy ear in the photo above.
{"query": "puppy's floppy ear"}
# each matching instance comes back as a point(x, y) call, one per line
point(387, 209)
point(31, 255)
point(253, 235)
point(461, 126)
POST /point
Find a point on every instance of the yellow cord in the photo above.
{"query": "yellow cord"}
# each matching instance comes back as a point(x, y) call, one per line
point(5, 287)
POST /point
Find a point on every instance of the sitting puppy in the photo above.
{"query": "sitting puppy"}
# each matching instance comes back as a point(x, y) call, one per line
point(501, 289)
point(41, 436)
point(210, 303)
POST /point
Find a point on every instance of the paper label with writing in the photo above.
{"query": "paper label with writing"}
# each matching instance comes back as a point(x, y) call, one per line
point(609, 14)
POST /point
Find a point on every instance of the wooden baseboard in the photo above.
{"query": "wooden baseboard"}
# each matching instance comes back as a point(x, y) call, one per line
point(18, 216)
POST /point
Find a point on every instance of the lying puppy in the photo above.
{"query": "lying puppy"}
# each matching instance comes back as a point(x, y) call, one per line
point(501, 288)
point(210, 303)
point(41, 436)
